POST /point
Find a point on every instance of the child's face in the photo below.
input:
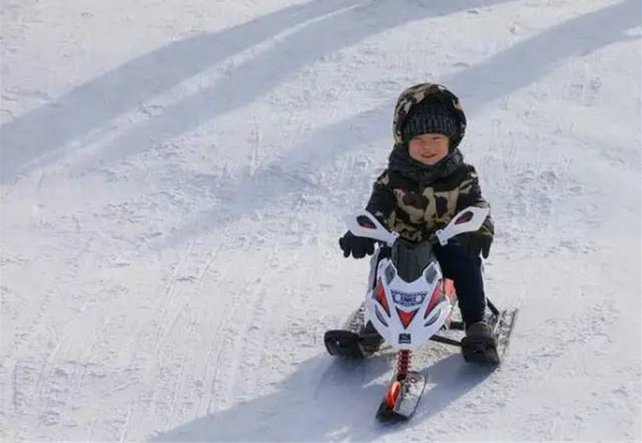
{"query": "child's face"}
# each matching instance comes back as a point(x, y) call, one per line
point(428, 148)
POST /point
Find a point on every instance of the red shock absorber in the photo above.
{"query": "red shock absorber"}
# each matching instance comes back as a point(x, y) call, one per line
point(403, 364)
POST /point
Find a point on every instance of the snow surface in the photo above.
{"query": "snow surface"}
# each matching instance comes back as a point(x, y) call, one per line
point(173, 176)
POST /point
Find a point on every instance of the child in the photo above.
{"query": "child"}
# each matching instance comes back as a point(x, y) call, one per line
point(425, 185)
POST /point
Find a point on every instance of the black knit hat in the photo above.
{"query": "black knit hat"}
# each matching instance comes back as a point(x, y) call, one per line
point(430, 116)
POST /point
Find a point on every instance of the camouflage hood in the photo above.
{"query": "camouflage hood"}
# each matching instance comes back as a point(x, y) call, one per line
point(427, 91)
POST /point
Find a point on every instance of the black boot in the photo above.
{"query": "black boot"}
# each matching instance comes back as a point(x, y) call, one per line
point(480, 345)
point(353, 345)
point(479, 329)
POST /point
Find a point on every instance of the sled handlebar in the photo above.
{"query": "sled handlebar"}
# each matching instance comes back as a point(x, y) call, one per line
point(364, 224)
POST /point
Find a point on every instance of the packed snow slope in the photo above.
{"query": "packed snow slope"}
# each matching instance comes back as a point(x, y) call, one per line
point(174, 172)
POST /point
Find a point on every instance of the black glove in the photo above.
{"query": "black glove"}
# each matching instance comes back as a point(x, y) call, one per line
point(473, 244)
point(359, 246)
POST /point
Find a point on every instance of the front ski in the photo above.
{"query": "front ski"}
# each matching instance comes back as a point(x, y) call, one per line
point(402, 398)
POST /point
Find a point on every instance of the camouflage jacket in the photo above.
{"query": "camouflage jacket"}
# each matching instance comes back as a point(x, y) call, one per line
point(416, 212)
point(416, 201)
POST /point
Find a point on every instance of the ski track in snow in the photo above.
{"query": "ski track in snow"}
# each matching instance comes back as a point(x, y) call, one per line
point(173, 176)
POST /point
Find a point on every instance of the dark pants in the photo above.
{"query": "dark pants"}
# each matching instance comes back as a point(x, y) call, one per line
point(467, 275)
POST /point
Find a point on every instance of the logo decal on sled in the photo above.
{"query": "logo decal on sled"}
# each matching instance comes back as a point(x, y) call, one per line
point(404, 338)
point(407, 300)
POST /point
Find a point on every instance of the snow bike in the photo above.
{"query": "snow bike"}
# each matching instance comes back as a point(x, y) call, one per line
point(409, 302)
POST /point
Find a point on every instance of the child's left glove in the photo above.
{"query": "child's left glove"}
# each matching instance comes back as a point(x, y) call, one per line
point(475, 244)
point(358, 246)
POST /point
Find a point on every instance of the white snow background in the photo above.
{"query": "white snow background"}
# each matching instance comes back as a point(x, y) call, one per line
point(173, 177)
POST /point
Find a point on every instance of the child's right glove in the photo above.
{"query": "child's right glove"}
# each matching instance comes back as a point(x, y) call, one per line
point(359, 246)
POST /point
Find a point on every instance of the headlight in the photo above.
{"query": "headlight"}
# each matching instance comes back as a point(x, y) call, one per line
point(380, 316)
point(433, 318)
point(431, 273)
point(390, 273)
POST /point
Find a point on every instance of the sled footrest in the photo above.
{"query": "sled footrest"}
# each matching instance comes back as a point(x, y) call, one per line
point(445, 340)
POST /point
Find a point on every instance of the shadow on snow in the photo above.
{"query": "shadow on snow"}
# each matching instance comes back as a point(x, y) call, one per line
point(327, 399)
